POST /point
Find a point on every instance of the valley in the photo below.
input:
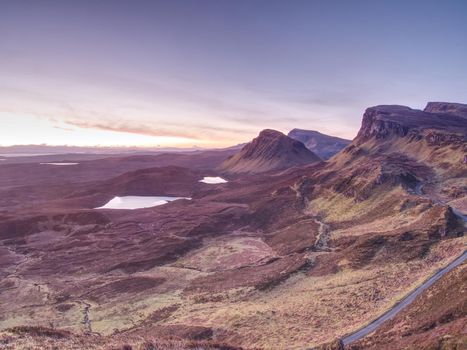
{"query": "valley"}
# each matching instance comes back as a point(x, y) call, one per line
point(267, 247)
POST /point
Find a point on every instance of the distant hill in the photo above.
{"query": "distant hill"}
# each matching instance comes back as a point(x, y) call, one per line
point(31, 150)
point(287, 259)
point(271, 150)
point(323, 145)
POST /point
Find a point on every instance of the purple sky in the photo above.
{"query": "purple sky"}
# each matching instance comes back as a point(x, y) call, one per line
point(214, 73)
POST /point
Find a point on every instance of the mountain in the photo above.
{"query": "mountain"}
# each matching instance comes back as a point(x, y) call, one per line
point(271, 150)
point(323, 145)
point(443, 120)
point(447, 107)
point(418, 148)
point(289, 259)
point(395, 197)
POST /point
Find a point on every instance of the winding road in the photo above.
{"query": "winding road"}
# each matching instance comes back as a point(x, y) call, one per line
point(364, 331)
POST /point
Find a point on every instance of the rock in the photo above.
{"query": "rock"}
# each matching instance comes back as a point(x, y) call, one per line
point(381, 122)
point(446, 108)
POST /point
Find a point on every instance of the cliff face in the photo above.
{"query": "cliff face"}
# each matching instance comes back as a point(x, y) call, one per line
point(447, 108)
point(271, 150)
point(378, 122)
point(436, 137)
point(323, 248)
point(381, 122)
point(399, 147)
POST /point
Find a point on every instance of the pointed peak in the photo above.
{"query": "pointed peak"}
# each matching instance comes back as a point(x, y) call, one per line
point(270, 150)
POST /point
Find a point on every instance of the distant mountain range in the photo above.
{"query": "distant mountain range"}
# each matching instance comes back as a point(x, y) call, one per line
point(322, 145)
point(49, 149)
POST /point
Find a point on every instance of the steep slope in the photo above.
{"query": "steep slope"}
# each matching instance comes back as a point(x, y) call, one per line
point(271, 150)
point(402, 129)
point(447, 107)
point(424, 151)
point(436, 320)
point(384, 195)
point(398, 152)
point(323, 145)
point(278, 260)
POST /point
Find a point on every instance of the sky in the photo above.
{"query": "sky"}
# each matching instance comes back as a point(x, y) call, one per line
point(213, 73)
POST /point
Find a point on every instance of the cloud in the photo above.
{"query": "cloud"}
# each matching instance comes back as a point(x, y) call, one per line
point(63, 128)
point(173, 108)
point(131, 127)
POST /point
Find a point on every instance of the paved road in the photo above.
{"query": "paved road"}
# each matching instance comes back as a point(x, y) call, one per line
point(362, 332)
point(403, 303)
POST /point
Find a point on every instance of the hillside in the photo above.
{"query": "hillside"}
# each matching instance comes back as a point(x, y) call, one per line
point(271, 150)
point(422, 150)
point(283, 259)
point(436, 320)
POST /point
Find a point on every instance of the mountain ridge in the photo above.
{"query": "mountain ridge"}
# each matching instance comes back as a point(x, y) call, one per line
point(281, 259)
point(385, 120)
point(270, 150)
point(325, 146)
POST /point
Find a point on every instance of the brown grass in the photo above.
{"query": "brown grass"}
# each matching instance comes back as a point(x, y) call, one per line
point(19, 338)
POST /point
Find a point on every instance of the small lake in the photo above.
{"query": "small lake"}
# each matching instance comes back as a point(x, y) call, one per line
point(138, 202)
point(58, 163)
point(213, 180)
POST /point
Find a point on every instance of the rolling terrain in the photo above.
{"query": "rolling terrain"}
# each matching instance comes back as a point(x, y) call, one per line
point(292, 252)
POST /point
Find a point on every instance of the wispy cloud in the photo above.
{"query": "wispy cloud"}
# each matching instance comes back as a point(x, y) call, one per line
point(63, 128)
point(130, 127)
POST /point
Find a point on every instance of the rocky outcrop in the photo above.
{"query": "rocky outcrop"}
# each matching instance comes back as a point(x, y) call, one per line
point(271, 150)
point(393, 170)
point(324, 146)
point(381, 122)
point(441, 139)
point(377, 124)
point(447, 108)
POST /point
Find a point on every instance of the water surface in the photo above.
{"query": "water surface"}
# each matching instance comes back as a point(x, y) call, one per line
point(138, 202)
point(213, 180)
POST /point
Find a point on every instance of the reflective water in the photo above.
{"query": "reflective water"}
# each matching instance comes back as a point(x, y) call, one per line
point(137, 202)
point(213, 180)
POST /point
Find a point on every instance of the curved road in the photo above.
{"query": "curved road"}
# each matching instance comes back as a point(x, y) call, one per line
point(362, 332)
